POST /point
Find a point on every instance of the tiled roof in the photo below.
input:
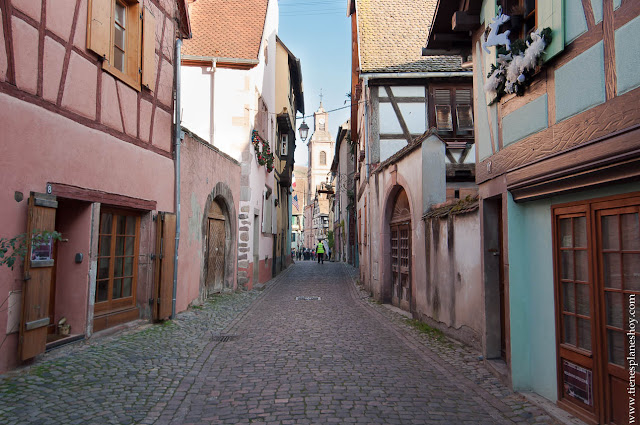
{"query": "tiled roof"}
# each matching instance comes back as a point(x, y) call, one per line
point(393, 33)
point(454, 207)
point(226, 28)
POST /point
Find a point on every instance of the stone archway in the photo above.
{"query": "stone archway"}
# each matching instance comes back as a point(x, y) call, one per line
point(400, 243)
point(219, 229)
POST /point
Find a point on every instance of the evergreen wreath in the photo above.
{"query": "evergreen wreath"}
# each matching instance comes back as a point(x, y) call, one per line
point(516, 63)
point(263, 151)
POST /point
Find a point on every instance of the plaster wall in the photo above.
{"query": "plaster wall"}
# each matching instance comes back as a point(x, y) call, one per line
point(574, 95)
point(453, 276)
point(575, 22)
point(526, 120)
point(408, 175)
point(207, 175)
point(531, 293)
point(48, 147)
point(628, 56)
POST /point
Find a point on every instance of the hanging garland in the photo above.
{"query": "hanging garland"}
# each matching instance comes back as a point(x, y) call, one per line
point(263, 151)
point(517, 61)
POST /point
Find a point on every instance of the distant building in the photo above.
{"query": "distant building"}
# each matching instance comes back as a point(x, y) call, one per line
point(298, 203)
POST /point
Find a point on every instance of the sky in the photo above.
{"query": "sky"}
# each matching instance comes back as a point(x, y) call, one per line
point(318, 32)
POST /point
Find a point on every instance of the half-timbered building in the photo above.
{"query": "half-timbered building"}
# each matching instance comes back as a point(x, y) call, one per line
point(86, 106)
point(558, 161)
point(412, 122)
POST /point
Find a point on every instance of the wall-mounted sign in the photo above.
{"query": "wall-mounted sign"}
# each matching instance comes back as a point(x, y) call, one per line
point(578, 382)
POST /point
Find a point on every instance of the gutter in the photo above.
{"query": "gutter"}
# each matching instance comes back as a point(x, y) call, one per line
point(178, 135)
point(214, 59)
point(430, 74)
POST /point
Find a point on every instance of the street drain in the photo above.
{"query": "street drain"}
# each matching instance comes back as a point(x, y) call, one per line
point(308, 298)
point(225, 338)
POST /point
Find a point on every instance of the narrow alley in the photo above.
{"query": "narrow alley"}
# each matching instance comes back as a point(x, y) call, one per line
point(280, 356)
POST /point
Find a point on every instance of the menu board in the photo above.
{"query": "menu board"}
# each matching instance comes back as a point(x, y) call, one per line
point(578, 382)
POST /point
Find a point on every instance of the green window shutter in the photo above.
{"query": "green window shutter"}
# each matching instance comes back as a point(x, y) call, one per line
point(488, 12)
point(550, 14)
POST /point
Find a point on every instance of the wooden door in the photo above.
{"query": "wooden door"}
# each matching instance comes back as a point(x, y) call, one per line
point(618, 259)
point(164, 267)
point(597, 263)
point(401, 253)
point(38, 271)
point(577, 371)
point(215, 258)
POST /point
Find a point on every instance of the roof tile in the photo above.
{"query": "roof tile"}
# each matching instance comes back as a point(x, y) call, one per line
point(226, 28)
point(393, 33)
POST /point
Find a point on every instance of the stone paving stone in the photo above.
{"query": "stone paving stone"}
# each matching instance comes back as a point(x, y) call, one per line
point(340, 359)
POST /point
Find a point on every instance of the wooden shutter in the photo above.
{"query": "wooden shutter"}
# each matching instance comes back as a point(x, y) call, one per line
point(550, 15)
point(164, 267)
point(489, 12)
point(99, 27)
point(38, 271)
point(149, 50)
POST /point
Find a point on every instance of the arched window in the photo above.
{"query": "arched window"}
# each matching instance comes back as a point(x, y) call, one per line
point(323, 158)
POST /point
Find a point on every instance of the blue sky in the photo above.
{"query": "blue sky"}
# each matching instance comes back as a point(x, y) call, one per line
point(318, 32)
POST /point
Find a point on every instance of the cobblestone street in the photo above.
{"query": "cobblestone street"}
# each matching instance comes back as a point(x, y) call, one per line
point(265, 357)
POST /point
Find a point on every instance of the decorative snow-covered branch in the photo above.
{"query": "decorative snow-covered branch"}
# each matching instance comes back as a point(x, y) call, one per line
point(516, 61)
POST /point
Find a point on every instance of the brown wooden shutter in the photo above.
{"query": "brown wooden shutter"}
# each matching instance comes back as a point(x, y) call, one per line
point(165, 250)
point(99, 27)
point(38, 268)
point(149, 50)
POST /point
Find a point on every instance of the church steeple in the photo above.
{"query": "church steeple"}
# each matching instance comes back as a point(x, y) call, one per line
point(321, 150)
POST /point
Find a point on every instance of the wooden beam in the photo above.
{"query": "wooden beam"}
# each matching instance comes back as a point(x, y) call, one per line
point(91, 195)
point(462, 21)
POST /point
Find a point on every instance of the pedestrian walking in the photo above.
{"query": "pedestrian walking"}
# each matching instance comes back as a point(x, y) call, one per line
point(320, 252)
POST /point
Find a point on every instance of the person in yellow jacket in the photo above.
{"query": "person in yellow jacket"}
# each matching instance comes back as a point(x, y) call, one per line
point(320, 252)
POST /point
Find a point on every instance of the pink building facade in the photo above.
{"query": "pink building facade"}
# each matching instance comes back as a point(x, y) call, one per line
point(87, 150)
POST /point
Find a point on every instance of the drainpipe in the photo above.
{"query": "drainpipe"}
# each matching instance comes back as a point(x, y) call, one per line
point(365, 84)
point(214, 64)
point(178, 138)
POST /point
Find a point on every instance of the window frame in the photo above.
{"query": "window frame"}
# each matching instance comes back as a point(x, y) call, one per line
point(133, 43)
point(140, 41)
point(456, 132)
point(122, 303)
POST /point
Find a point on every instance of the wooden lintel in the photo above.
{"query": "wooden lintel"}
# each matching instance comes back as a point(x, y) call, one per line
point(91, 195)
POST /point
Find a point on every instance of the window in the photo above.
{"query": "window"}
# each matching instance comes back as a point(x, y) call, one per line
point(284, 145)
point(523, 17)
point(117, 260)
point(293, 237)
point(453, 111)
point(323, 158)
point(124, 37)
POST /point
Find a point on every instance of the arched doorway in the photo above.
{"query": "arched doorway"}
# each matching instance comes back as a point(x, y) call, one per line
point(216, 237)
point(400, 234)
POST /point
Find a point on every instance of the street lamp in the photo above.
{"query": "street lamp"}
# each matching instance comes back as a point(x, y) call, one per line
point(304, 130)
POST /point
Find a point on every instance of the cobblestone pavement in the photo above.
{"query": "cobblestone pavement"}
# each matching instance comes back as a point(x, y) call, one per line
point(267, 358)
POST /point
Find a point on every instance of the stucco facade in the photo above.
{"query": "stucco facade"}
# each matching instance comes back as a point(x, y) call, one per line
point(225, 100)
point(540, 158)
point(98, 147)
